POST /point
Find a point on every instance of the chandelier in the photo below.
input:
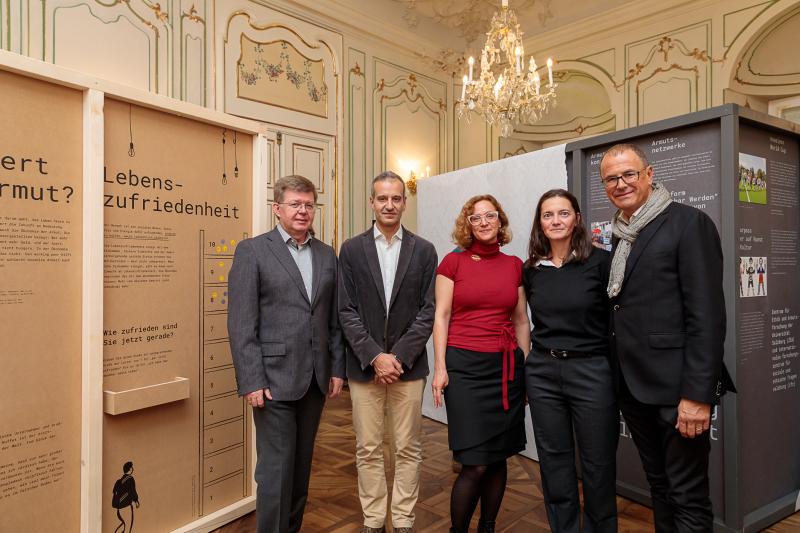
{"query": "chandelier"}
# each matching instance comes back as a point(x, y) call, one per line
point(505, 93)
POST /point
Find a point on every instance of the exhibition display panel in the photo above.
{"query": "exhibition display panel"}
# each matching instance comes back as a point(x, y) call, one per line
point(41, 262)
point(176, 204)
point(120, 212)
point(741, 168)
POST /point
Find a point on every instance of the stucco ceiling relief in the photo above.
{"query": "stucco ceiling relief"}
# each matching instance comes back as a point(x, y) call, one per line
point(664, 47)
point(469, 18)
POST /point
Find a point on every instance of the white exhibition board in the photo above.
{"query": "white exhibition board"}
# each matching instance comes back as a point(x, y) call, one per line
point(517, 182)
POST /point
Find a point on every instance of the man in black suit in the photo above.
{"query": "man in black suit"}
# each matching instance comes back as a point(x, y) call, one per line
point(287, 348)
point(668, 328)
point(386, 312)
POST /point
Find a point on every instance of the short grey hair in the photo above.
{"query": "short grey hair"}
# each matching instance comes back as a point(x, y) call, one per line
point(620, 148)
point(294, 182)
point(386, 176)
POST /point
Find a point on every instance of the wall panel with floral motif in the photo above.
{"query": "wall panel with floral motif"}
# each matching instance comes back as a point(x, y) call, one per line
point(278, 74)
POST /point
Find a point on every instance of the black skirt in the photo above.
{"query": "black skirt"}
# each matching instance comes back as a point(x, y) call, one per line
point(480, 431)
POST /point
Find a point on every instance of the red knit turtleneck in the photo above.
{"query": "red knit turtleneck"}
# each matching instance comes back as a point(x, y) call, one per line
point(485, 293)
point(484, 249)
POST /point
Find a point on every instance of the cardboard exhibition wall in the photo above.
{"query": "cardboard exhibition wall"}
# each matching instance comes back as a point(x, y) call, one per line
point(40, 304)
point(177, 201)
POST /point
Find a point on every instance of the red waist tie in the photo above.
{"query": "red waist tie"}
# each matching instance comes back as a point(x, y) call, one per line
point(508, 345)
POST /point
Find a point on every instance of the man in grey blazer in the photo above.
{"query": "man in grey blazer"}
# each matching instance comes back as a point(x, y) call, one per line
point(287, 348)
point(386, 311)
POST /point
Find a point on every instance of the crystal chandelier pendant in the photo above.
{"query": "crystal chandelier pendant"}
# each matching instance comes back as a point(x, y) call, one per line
point(503, 91)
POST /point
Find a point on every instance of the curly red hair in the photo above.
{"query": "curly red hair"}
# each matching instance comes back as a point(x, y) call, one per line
point(462, 232)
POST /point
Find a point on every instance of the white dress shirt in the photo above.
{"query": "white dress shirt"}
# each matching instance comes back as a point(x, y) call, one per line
point(388, 256)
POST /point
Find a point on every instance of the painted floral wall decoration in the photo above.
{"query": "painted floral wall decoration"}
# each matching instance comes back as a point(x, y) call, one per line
point(277, 74)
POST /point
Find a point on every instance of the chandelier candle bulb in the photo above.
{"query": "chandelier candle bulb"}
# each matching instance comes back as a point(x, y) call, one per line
point(464, 87)
point(470, 62)
point(536, 82)
point(550, 71)
point(505, 4)
point(498, 86)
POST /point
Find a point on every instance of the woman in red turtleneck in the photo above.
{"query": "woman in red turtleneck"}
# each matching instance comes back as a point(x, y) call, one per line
point(481, 335)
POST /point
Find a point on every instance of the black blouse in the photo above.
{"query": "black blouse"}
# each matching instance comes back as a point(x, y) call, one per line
point(569, 305)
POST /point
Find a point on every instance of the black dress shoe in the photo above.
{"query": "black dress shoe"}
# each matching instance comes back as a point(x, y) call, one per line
point(486, 527)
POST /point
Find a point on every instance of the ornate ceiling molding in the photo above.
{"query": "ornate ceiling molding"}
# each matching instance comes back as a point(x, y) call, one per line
point(468, 17)
point(519, 151)
point(357, 70)
point(748, 73)
point(664, 47)
point(448, 61)
point(193, 16)
point(411, 93)
point(583, 31)
point(156, 8)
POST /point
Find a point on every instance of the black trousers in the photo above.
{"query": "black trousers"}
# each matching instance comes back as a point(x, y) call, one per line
point(285, 434)
point(575, 396)
point(676, 467)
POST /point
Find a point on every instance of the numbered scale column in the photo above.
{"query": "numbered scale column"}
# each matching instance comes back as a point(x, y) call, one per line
point(223, 414)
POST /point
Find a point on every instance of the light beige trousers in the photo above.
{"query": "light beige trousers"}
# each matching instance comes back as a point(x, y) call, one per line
point(402, 402)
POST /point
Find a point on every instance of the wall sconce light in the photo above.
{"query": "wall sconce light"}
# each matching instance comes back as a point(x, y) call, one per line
point(411, 182)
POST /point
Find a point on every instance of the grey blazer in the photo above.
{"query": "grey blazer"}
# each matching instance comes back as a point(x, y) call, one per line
point(279, 338)
point(368, 326)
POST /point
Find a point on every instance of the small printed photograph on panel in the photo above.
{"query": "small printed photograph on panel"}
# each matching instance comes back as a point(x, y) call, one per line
point(752, 276)
point(752, 179)
point(601, 234)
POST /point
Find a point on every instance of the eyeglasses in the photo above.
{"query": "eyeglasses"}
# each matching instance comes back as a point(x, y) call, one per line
point(296, 206)
point(489, 216)
point(627, 177)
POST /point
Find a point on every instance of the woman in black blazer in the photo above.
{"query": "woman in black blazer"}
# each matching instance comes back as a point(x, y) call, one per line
point(568, 376)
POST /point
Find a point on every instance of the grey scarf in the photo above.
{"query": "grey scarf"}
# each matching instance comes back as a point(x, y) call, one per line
point(627, 232)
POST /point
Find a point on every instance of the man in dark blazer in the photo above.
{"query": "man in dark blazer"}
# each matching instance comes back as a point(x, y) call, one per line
point(287, 348)
point(668, 329)
point(386, 311)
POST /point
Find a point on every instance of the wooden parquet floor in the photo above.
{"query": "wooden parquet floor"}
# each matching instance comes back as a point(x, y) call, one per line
point(333, 505)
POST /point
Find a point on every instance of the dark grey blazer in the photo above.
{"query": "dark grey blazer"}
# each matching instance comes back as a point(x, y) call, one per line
point(369, 328)
point(278, 337)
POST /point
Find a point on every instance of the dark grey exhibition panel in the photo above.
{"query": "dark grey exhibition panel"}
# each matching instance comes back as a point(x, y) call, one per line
point(740, 167)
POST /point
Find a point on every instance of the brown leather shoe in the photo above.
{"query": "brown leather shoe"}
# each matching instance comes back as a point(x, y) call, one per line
point(367, 529)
